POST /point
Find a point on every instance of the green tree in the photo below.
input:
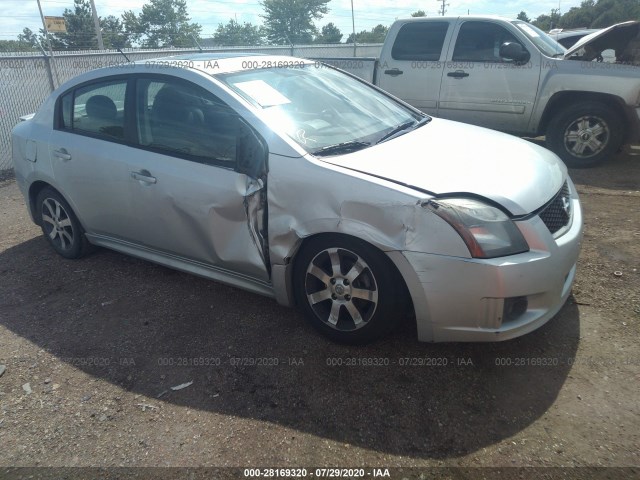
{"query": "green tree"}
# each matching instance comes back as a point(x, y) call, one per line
point(543, 22)
point(548, 22)
point(15, 46)
point(329, 34)
point(29, 39)
point(419, 13)
point(593, 14)
point(81, 33)
point(162, 23)
point(609, 12)
point(113, 35)
point(291, 21)
point(375, 35)
point(235, 33)
point(523, 16)
point(581, 16)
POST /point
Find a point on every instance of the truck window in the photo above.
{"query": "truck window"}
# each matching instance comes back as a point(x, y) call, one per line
point(480, 42)
point(541, 40)
point(420, 41)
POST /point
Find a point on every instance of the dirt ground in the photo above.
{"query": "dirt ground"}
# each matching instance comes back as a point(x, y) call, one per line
point(100, 341)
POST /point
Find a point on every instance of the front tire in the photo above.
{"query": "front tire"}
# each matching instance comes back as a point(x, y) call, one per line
point(346, 289)
point(585, 134)
point(60, 225)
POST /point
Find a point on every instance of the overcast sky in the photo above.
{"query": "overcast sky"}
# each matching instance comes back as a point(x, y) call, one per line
point(17, 14)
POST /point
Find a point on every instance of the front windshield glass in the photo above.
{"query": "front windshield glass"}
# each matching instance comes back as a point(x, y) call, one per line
point(323, 110)
point(541, 40)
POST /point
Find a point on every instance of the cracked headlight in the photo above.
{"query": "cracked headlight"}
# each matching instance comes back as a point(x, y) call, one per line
point(486, 230)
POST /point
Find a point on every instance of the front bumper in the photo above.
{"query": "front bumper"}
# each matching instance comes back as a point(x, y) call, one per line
point(462, 299)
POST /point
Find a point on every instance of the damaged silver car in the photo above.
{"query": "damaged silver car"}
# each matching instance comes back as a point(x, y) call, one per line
point(291, 179)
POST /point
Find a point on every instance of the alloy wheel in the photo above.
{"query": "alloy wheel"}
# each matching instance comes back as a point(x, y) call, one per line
point(57, 224)
point(341, 289)
point(586, 136)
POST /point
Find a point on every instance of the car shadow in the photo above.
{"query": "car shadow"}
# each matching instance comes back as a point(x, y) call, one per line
point(620, 172)
point(146, 328)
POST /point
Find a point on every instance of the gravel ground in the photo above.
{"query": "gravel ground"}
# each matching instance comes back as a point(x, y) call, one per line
point(93, 347)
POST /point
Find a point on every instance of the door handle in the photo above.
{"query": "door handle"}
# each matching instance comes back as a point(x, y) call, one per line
point(458, 74)
point(62, 154)
point(394, 72)
point(144, 176)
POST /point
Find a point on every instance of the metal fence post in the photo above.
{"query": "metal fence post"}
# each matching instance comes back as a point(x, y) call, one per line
point(47, 62)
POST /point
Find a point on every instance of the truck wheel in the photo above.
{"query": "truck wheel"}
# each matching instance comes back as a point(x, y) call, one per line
point(346, 289)
point(585, 135)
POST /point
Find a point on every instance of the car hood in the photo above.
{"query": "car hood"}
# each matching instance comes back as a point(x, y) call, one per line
point(616, 37)
point(447, 158)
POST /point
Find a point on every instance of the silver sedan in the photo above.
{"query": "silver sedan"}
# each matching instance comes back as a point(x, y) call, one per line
point(294, 180)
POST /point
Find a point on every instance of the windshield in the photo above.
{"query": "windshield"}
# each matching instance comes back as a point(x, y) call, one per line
point(323, 110)
point(541, 40)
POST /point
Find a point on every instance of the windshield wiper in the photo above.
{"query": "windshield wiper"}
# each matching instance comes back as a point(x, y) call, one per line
point(344, 147)
point(402, 127)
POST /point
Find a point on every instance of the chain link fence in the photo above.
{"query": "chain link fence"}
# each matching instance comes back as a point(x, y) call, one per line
point(27, 80)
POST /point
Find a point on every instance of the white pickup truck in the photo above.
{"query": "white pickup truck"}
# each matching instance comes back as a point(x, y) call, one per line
point(508, 75)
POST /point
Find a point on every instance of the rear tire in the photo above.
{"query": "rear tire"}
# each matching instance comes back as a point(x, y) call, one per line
point(585, 134)
point(60, 225)
point(347, 289)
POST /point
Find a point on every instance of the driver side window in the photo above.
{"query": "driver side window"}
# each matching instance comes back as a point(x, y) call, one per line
point(480, 42)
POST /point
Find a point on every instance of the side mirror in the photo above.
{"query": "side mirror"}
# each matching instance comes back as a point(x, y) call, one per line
point(251, 152)
point(515, 52)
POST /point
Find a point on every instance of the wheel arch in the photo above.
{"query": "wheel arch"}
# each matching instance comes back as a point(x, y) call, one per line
point(404, 290)
point(34, 190)
point(563, 99)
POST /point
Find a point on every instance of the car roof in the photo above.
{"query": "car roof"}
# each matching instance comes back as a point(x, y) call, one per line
point(449, 18)
point(210, 63)
point(206, 56)
point(214, 64)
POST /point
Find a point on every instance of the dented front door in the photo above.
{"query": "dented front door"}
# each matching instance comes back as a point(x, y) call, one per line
point(198, 212)
point(190, 202)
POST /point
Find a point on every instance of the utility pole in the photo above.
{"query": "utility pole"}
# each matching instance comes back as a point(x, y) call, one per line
point(443, 9)
point(44, 26)
point(353, 23)
point(96, 22)
point(49, 60)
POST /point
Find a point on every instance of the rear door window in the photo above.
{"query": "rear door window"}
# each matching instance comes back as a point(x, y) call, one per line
point(98, 109)
point(420, 41)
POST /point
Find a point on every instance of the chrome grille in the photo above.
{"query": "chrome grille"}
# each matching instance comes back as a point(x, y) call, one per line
point(557, 213)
